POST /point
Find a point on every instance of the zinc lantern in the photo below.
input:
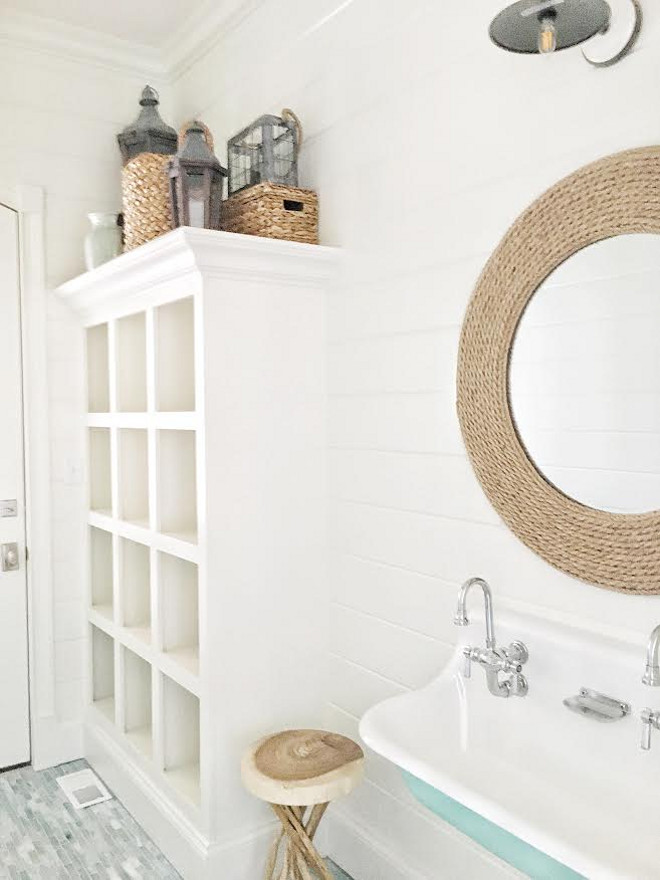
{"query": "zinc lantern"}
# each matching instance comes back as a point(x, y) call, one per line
point(196, 180)
point(146, 146)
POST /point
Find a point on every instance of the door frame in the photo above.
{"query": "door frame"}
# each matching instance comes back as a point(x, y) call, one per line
point(51, 741)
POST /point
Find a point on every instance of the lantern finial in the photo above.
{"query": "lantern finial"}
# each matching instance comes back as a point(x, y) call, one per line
point(149, 97)
point(148, 134)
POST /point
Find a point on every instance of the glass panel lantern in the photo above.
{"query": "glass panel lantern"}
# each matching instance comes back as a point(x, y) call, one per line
point(196, 181)
point(267, 150)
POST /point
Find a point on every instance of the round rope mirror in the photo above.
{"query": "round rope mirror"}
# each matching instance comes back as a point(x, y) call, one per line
point(615, 196)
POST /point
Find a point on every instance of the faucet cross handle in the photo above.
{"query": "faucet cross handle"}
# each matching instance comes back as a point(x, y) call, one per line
point(650, 720)
point(517, 652)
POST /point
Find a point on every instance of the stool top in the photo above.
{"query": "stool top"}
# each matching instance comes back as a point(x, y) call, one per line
point(302, 767)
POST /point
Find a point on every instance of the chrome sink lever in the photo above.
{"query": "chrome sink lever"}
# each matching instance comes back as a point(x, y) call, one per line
point(652, 672)
point(503, 661)
point(651, 677)
point(467, 662)
point(650, 720)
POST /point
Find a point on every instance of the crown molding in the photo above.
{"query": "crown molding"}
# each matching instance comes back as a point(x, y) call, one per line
point(50, 37)
point(203, 30)
point(164, 64)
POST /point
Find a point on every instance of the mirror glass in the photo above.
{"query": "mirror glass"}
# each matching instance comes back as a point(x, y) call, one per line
point(584, 376)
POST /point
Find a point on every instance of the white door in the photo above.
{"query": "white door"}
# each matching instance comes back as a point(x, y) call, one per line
point(14, 701)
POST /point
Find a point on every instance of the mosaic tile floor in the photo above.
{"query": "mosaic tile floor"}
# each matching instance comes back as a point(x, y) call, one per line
point(42, 837)
point(336, 872)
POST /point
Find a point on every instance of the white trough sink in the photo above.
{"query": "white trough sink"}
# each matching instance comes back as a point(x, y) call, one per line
point(581, 793)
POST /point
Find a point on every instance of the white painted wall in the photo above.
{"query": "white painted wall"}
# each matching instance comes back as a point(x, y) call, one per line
point(425, 143)
point(60, 118)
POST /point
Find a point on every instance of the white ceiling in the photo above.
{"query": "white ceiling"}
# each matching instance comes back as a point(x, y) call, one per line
point(151, 23)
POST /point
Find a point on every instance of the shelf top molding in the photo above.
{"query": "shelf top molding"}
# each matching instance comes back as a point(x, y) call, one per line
point(187, 252)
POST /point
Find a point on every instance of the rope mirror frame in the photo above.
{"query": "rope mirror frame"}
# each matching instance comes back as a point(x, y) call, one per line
point(617, 195)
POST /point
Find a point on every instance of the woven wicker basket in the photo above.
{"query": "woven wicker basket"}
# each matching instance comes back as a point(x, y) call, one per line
point(146, 199)
point(273, 211)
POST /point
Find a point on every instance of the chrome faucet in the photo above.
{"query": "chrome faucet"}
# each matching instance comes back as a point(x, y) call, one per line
point(651, 677)
point(461, 618)
point(495, 661)
point(652, 673)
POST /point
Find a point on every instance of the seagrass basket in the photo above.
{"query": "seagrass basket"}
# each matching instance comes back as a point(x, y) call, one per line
point(146, 199)
point(273, 211)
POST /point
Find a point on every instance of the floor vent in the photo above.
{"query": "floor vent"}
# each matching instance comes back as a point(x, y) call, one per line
point(84, 789)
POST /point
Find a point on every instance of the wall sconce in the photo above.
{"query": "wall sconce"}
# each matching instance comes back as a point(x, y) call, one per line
point(540, 27)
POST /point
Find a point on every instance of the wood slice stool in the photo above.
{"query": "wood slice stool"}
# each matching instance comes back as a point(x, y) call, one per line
point(299, 772)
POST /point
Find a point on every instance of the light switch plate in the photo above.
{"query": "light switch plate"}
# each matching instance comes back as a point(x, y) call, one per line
point(9, 508)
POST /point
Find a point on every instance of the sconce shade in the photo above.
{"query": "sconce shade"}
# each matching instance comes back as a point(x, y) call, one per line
point(196, 182)
point(517, 27)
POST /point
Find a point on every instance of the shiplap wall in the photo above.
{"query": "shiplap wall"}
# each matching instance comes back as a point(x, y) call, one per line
point(60, 118)
point(425, 143)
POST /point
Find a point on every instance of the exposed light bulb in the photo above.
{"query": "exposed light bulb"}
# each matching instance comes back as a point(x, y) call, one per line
point(547, 35)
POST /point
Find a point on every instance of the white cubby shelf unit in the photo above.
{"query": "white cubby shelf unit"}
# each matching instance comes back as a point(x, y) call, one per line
point(206, 525)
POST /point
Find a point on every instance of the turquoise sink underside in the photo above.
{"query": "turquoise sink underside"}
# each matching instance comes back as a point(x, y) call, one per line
point(508, 847)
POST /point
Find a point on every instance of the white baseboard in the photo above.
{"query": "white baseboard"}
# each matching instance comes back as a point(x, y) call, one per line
point(55, 742)
point(358, 853)
point(170, 829)
point(242, 859)
point(193, 855)
point(382, 849)
point(404, 843)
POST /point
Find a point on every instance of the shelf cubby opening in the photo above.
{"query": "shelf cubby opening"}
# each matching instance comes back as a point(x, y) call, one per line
point(175, 356)
point(100, 480)
point(137, 702)
point(177, 484)
point(134, 476)
point(135, 588)
point(103, 673)
point(98, 372)
point(131, 361)
point(181, 739)
point(101, 572)
point(179, 598)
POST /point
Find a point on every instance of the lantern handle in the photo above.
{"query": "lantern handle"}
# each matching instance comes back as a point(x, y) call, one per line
point(290, 116)
point(208, 137)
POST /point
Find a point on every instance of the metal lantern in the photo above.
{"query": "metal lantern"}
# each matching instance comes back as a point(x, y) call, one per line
point(196, 181)
point(148, 134)
point(146, 145)
point(266, 151)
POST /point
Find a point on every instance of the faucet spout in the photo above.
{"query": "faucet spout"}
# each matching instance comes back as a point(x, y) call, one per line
point(461, 618)
point(652, 673)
